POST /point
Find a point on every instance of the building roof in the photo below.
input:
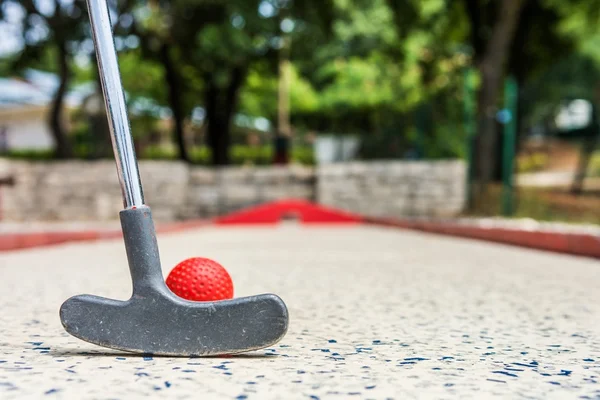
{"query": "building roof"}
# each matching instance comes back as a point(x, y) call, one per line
point(36, 88)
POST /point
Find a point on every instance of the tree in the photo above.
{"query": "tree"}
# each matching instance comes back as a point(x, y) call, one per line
point(155, 24)
point(493, 27)
point(525, 39)
point(221, 41)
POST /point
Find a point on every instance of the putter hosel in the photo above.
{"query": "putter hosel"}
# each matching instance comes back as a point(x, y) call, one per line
point(141, 245)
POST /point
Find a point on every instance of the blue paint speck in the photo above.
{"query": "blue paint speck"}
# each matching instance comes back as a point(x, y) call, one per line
point(167, 384)
point(588, 359)
point(370, 387)
point(51, 391)
point(565, 372)
point(121, 358)
point(555, 383)
point(525, 365)
point(505, 373)
point(147, 358)
point(313, 397)
point(332, 341)
point(448, 384)
point(188, 370)
point(241, 397)
point(416, 359)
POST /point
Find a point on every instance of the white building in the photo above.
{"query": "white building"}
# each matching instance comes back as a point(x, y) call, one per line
point(24, 110)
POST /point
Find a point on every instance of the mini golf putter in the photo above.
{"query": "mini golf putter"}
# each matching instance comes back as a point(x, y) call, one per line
point(154, 320)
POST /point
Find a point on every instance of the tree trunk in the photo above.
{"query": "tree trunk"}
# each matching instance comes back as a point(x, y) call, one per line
point(492, 73)
point(63, 147)
point(99, 127)
point(284, 129)
point(585, 156)
point(220, 106)
point(173, 82)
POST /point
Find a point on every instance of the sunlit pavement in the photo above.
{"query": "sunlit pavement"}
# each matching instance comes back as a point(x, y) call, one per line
point(374, 313)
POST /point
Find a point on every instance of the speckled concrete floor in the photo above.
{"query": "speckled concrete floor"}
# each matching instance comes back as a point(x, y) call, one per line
point(375, 313)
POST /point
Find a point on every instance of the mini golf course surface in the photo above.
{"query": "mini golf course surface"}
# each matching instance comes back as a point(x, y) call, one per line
point(580, 240)
point(375, 313)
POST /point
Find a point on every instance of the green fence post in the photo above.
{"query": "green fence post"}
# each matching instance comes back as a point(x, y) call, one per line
point(469, 126)
point(510, 138)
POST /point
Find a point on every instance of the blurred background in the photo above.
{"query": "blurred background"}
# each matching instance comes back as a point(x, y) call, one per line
point(394, 108)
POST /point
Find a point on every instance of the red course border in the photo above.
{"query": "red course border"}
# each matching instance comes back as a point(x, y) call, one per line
point(18, 241)
point(581, 244)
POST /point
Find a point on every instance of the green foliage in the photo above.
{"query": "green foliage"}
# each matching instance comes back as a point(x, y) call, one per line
point(532, 163)
point(388, 70)
point(594, 168)
point(30, 155)
point(240, 155)
point(543, 205)
point(142, 78)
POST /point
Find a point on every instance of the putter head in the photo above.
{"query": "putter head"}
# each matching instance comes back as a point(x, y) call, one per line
point(156, 321)
point(161, 323)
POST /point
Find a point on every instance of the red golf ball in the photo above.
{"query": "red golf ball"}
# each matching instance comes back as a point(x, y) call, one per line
point(200, 279)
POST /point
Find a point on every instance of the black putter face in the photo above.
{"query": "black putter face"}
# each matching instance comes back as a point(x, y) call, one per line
point(156, 321)
point(161, 323)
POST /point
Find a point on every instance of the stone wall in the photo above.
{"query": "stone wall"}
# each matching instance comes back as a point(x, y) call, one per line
point(217, 192)
point(395, 188)
point(77, 190)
